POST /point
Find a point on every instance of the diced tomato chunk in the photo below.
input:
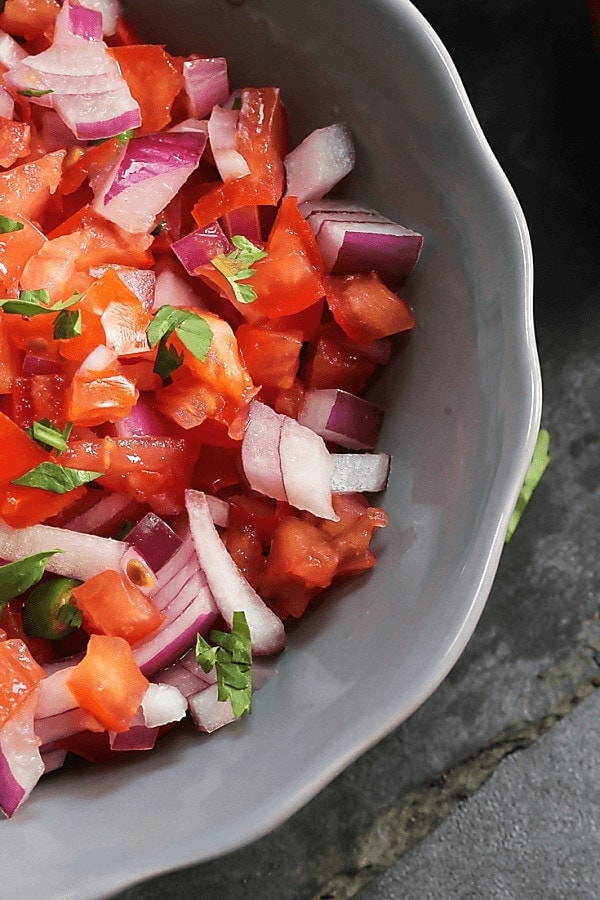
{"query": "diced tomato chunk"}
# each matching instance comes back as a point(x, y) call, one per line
point(111, 605)
point(25, 190)
point(272, 357)
point(19, 676)
point(336, 361)
point(154, 78)
point(108, 682)
point(29, 18)
point(100, 395)
point(365, 308)
point(14, 141)
point(37, 397)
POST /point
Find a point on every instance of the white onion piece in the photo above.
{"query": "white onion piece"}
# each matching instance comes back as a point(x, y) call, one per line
point(260, 451)
point(150, 173)
point(11, 52)
point(206, 84)
point(341, 417)
point(200, 246)
point(306, 468)
point(316, 165)
point(222, 125)
point(359, 472)
point(389, 249)
point(230, 589)
point(77, 21)
point(21, 765)
point(82, 556)
point(161, 704)
point(7, 105)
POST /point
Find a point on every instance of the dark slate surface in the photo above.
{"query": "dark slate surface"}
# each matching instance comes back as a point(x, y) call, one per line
point(533, 75)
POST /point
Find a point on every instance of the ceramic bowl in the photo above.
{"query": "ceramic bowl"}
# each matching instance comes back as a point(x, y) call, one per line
point(463, 398)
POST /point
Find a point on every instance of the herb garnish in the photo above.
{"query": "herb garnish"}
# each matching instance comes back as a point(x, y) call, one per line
point(36, 303)
point(537, 467)
point(47, 434)
point(232, 657)
point(56, 478)
point(237, 266)
point(7, 225)
point(192, 329)
point(67, 324)
point(17, 577)
point(35, 92)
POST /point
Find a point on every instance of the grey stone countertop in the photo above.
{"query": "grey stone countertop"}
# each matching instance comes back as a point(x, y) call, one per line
point(491, 789)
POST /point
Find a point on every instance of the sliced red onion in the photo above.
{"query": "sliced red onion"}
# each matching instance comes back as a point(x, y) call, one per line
point(206, 84)
point(188, 661)
point(183, 562)
point(140, 282)
point(306, 468)
point(40, 365)
point(200, 246)
point(260, 451)
point(191, 125)
point(53, 758)
point(105, 516)
point(81, 556)
point(93, 117)
point(209, 713)
point(110, 11)
point(141, 421)
point(359, 472)
point(137, 737)
point(56, 135)
point(230, 589)
point(150, 173)
point(11, 52)
point(343, 418)
point(21, 765)
point(162, 704)
point(7, 104)
point(244, 220)
point(318, 211)
point(222, 126)
point(65, 724)
point(316, 165)
point(154, 540)
point(219, 510)
point(186, 682)
point(77, 21)
point(389, 249)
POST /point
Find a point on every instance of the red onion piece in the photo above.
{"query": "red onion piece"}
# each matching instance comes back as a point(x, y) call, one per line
point(137, 737)
point(341, 417)
point(389, 249)
point(219, 510)
point(182, 563)
point(53, 758)
point(11, 52)
point(222, 126)
point(318, 211)
point(105, 516)
point(244, 220)
point(55, 696)
point(316, 165)
point(21, 765)
point(186, 682)
point(359, 472)
point(150, 173)
point(81, 556)
point(40, 365)
point(172, 288)
point(260, 451)
point(142, 421)
point(77, 21)
point(188, 661)
point(230, 589)
point(162, 704)
point(200, 246)
point(206, 84)
point(93, 117)
point(56, 135)
point(154, 540)
point(306, 469)
point(110, 11)
point(208, 712)
point(65, 724)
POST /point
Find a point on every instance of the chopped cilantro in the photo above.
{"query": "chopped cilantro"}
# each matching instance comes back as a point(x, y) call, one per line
point(67, 324)
point(35, 92)
point(56, 478)
point(17, 577)
point(237, 266)
point(46, 433)
point(537, 467)
point(231, 654)
point(36, 303)
point(192, 329)
point(7, 225)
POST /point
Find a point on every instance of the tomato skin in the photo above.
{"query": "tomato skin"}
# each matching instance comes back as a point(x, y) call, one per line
point(14, 141)
point(19, 676)
point(107, 682)
point(26, 189)
point(99, 396)
point(30, 19)
point(336, 361)
point(112, 606)
point(365, 308)
point(272, 357)
point(36, 397)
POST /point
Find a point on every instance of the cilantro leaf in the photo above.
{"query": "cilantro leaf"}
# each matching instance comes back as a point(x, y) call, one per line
point(7, 225)
point(35, 92)
point(44, 432)
point(55, 478)
point(237, 266)
point(17, 577)
point(164, 323)
point(537, 467)
point(168, 359)
point(67, 324)
point(35, 303)
point(195, 333)
point(232, 657)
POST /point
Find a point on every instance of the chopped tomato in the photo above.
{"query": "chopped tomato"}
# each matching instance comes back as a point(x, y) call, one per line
point(29, 18)
point(366, 308)
point(16, 247)
point(336, 361)
point(112, 605)
point(54, 268)
point(154, 78)
point(107, 682)
point(104, 243)
point(352, 534)
point(261, 140)
point(36, 397)
point(9, 361)
point(25, 190)
point(20, 674)
point(101, 395)
point(14, 141)
point(272, 357)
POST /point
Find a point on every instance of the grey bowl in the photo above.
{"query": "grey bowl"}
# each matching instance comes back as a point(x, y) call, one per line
point(464, 401)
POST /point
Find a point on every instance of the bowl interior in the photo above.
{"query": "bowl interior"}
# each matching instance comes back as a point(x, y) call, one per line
point(463, 402)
